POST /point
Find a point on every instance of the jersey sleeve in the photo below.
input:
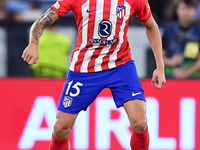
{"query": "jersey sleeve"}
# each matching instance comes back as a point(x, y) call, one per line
point(62, 7)
point(142, 10)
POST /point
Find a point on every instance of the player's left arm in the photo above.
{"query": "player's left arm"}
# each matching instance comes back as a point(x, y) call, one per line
point(181, 74)
point(153, 35)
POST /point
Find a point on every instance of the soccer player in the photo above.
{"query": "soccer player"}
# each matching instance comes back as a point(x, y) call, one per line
point(101, 59)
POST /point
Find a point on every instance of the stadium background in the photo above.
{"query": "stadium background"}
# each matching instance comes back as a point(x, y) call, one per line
point(28, 105)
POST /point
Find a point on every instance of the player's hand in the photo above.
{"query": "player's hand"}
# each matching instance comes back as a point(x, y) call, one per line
point(30, 54)
point(158, 78)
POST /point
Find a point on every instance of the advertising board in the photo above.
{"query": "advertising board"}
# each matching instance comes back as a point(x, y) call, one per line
point(28, 113)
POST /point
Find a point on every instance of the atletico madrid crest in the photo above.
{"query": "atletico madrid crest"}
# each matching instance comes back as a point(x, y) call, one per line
point(120, 11)
point(67, 101)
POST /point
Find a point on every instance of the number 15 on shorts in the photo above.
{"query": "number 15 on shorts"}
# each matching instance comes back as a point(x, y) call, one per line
point(76, 86)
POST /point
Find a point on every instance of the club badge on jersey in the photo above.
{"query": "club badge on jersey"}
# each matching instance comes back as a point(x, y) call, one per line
point(67, 101)
point(120, 11)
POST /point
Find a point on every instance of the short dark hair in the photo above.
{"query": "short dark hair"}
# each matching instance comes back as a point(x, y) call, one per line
point(189, 2)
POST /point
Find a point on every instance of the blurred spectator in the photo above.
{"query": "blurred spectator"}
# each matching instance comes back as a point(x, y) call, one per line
point(54, 50)
point(181, 43)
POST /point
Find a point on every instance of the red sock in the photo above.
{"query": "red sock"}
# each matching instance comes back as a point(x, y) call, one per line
point(140, 140)
point(58, 144)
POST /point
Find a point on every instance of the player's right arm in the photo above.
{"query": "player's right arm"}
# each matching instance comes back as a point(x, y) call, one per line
point(30, 54)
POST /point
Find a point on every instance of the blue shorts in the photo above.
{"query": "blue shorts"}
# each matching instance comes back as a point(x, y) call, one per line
point(81, 89)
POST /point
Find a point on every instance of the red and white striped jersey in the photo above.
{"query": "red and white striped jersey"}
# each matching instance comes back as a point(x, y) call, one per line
point(102, 27)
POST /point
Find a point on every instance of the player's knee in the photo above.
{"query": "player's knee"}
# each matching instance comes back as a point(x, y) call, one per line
point(139, 125)
point(61, 131)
